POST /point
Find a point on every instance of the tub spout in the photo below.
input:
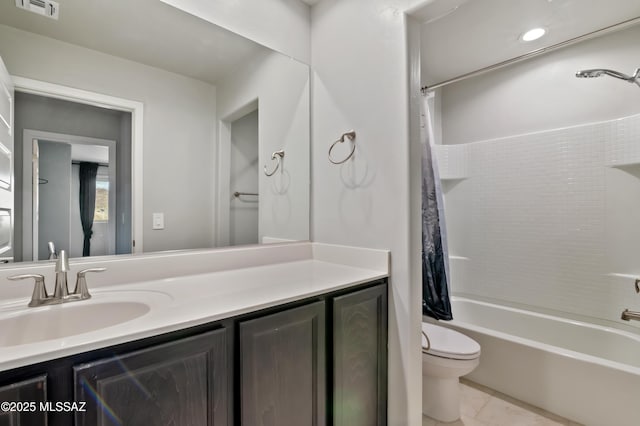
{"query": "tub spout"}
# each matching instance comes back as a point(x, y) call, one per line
point(630, 315)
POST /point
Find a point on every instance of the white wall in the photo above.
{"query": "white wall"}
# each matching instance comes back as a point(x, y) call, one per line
point(179, 128)
point(548, 219)
point(243, 217)
point(280, 86)
point(360, 82)
point(543, 93)
point(282, 25)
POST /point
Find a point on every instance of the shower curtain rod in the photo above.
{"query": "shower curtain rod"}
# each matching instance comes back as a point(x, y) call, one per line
point(602, 31)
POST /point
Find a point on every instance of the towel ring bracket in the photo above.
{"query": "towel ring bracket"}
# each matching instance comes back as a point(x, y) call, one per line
point(278, 155)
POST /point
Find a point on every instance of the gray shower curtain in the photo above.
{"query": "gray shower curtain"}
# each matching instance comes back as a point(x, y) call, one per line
point(435, 288)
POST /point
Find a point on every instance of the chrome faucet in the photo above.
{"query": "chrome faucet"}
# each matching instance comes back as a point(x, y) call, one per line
point(628, 315)
point(61, 294)
point(61, 290)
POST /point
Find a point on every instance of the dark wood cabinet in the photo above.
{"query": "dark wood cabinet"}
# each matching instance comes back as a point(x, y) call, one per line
point(181, 383)
point(29, 393)
point(283, 368)
point(360, 358)
point(315, 362)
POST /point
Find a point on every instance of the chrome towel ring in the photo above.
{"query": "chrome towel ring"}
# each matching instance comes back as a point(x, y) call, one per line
point(278, 155)
point(351, 135)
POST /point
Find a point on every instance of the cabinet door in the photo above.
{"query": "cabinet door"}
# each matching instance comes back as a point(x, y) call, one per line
point(32, 390)
point(360, 358)
point(182, 383)
point(283, 368)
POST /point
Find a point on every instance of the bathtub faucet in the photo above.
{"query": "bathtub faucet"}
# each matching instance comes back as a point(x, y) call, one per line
point(630, 315)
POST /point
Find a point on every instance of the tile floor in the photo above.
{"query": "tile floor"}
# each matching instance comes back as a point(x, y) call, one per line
point(481, 406)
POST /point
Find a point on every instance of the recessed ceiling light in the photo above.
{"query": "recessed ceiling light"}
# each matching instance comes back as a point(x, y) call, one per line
point(533, 34)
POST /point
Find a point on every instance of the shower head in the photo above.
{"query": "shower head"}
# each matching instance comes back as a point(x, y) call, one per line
point(598, 72)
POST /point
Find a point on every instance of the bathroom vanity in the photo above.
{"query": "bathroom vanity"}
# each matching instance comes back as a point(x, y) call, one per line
point(296, 336)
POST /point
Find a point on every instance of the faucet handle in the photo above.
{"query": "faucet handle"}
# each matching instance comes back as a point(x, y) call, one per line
point(81, 282)
point(637, 285)
point(39, 290)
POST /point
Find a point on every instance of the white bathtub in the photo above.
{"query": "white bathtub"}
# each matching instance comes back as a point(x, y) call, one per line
point(585, 372)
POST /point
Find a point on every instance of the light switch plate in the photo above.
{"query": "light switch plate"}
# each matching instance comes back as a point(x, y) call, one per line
point(158, 221)
point(48, 8)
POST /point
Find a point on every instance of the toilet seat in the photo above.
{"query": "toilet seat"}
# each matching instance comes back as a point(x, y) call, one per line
point(448, 343)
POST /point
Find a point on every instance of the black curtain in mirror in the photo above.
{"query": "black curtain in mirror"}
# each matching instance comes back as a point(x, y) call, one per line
point(88, 173)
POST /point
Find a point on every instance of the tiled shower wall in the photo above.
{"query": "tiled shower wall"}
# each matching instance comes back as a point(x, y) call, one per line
point(548, 219)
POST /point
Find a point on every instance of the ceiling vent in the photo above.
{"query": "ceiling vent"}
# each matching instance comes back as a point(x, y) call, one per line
point(46, 8)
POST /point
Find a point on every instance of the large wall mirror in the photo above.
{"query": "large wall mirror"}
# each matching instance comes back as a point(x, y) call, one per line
point(169, 121)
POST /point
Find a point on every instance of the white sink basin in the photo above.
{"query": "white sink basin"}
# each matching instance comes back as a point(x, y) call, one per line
point(32, 325)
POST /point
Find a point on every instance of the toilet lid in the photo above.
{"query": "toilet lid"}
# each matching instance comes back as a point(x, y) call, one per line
point(447, 343)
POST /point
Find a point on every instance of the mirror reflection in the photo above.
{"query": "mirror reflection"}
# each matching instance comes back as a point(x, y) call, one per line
point(71, 197)
point(187, 113)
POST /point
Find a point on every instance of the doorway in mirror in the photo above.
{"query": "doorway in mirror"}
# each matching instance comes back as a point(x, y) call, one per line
point(243, 165)
point(47, 169)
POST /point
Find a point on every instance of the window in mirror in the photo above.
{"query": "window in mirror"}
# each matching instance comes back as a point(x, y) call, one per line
point(102, 199)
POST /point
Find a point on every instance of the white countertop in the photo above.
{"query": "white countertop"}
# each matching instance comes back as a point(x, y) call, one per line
point(273, 275)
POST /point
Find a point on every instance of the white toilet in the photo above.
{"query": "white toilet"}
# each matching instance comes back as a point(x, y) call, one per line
point(447, 356)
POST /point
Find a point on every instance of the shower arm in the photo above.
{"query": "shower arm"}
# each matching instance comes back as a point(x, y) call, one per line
point(636, 77)
point(631, 79)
